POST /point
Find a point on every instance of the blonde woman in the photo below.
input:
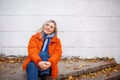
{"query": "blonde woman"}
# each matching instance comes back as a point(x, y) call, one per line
point(44, 52)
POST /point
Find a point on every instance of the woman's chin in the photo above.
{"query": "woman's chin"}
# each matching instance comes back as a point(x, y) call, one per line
point(47, 32)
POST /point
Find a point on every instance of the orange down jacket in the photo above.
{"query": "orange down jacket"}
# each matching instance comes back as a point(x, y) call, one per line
point(54, 50)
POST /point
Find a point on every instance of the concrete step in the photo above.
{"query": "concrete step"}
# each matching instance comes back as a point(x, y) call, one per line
point(73, 67)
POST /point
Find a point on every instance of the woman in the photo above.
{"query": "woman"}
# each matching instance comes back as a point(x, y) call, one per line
point(44, 52)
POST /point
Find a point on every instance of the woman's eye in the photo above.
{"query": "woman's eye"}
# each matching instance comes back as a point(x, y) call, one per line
point(51, 27)
point(47, 24)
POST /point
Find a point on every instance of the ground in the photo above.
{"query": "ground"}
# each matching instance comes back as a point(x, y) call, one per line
point(69, 69)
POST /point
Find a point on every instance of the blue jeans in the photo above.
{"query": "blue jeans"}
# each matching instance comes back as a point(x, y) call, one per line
point(33, 72)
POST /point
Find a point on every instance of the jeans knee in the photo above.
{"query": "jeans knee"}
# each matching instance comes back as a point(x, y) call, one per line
point(31, 66)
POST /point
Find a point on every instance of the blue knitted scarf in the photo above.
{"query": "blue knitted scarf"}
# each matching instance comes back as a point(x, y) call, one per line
point(47, 39)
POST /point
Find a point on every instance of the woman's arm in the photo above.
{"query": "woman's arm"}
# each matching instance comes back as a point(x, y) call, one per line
point(33, 50)
point(55, 57)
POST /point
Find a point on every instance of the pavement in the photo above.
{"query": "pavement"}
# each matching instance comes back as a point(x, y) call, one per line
point(69, 69)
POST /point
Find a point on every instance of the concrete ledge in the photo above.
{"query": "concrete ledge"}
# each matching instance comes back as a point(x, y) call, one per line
point(87, 68)
point(12, 70)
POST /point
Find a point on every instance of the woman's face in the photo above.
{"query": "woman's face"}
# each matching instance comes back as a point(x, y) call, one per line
point(49, 28)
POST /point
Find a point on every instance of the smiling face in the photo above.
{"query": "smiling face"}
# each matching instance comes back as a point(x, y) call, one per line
point(49, 28)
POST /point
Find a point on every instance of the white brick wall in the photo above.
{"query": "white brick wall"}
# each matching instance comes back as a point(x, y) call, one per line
point(87, 28)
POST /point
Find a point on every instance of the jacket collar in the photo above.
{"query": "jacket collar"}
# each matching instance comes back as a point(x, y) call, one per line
point(39, 36)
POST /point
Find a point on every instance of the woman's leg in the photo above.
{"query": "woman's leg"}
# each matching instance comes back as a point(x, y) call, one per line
point(46, 76)
point(43, 77)
point(32, 71)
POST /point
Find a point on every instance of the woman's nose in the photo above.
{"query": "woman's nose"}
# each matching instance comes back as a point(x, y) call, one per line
point(48, 27)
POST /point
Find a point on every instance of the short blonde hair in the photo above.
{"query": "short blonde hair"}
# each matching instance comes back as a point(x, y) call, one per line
point(55, 29)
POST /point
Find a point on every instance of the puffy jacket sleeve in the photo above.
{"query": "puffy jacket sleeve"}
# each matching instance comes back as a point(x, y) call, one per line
point(33, 50)
point(55, 57)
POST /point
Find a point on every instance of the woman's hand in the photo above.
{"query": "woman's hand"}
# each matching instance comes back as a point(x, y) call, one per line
point(48, 64)
point(44, 65)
